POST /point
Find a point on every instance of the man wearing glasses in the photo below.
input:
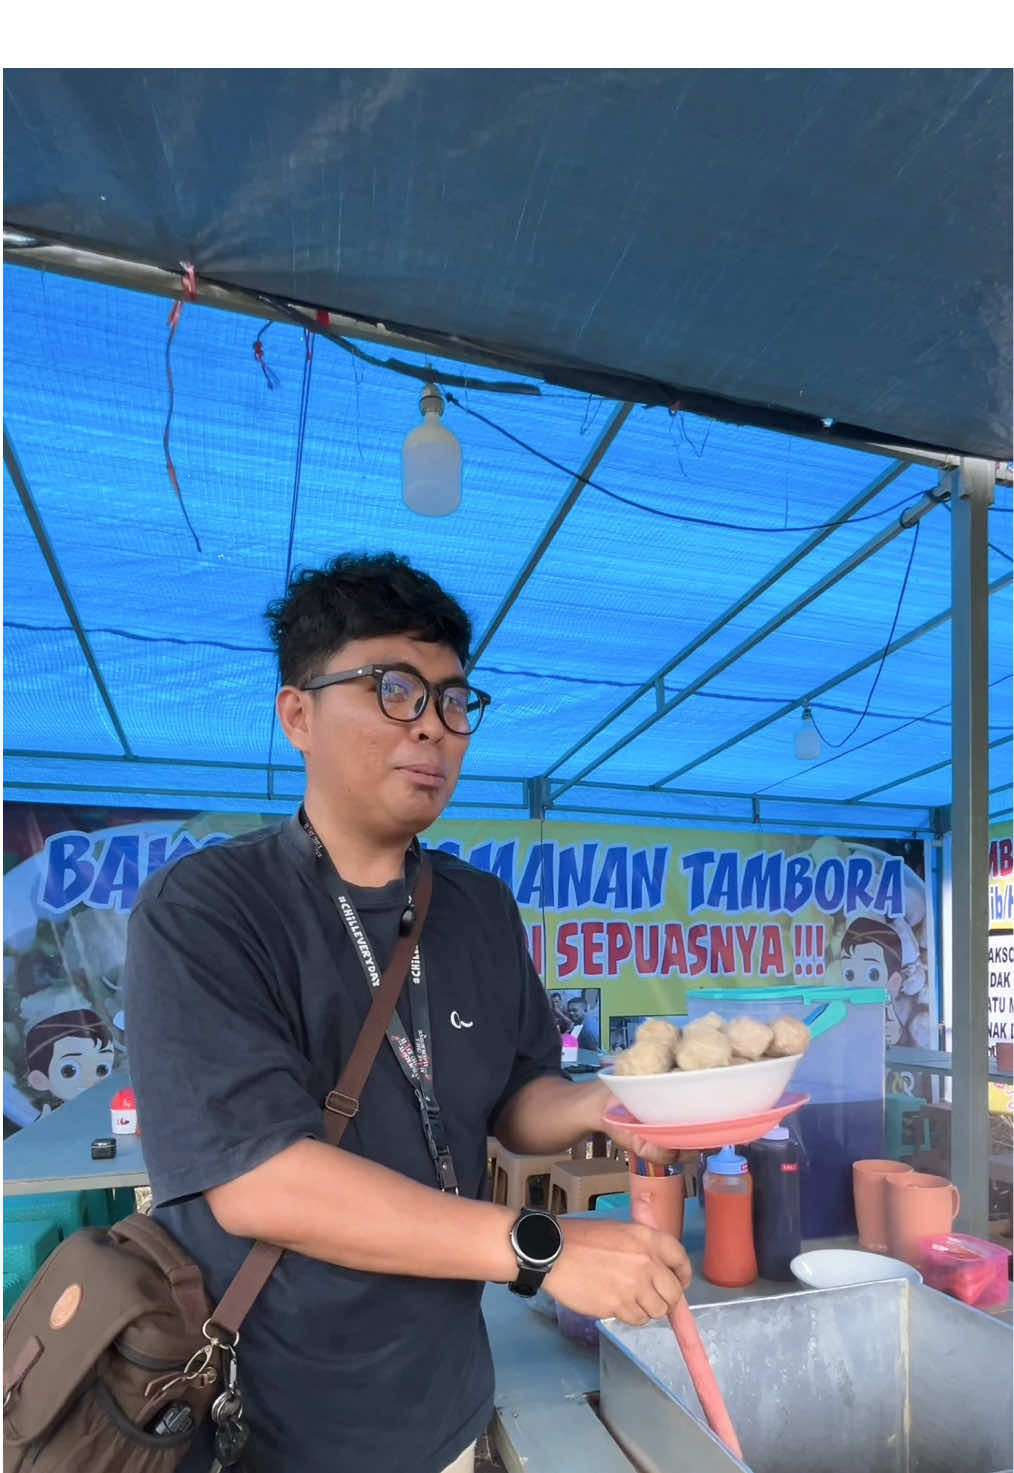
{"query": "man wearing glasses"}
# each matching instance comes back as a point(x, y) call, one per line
point(246, 989)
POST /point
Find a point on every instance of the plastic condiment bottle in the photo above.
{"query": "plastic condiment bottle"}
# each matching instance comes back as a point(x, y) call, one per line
point(774, 1166)
point(729, 1258)
point(123, 1113)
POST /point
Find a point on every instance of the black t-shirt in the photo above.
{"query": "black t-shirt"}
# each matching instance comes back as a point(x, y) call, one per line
point(244, 998)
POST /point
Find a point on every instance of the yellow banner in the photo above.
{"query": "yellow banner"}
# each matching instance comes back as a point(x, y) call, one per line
point(624, 920)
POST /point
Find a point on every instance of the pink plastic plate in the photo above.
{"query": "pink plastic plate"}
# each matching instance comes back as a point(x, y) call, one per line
point(712, 1132)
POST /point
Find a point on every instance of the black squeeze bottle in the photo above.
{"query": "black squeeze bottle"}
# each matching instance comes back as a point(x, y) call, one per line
point(774, 1166)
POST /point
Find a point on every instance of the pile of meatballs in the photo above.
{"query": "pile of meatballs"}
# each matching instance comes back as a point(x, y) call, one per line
point(710, 1043)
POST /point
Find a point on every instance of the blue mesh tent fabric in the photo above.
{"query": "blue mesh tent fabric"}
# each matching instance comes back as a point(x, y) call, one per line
point(634, 676)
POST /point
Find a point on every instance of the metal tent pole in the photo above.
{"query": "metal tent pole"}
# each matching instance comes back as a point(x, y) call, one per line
point(972, 493)
point(619, 418)
point(37, 525)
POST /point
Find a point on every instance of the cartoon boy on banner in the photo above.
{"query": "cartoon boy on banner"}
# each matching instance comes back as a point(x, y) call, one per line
point(873, 955)
point(68, 1047)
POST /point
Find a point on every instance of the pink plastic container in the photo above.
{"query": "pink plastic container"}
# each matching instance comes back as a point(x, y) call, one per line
point(967, 1268)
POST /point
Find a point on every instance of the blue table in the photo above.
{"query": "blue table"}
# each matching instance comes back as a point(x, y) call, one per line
point(53, 1154)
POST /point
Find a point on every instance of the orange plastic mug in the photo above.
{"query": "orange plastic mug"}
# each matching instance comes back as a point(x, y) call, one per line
point(918, 1206)
point(868, 1178)
point(658, 1202)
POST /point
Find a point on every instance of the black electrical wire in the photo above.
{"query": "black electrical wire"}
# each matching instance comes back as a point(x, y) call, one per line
point(395, 365)
point(428, 374)
point(925, 719)
point(674, 516)
point(494, 386)
point(883, 657)
point(167, 427)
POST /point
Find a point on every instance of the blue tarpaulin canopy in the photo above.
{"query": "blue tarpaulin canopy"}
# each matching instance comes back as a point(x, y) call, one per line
point(651, 639)
point(632, 670)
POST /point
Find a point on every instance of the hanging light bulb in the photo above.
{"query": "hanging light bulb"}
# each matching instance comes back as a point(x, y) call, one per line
point(431, 461)
point(807, 738)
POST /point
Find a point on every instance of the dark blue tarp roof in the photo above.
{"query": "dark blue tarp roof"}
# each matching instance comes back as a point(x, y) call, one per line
point(812, 244)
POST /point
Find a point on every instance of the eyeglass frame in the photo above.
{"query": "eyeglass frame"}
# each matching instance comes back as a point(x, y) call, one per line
point(376, 672)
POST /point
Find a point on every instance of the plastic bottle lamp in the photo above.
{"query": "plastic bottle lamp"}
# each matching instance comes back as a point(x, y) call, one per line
point(807, 738)
point(431, 461)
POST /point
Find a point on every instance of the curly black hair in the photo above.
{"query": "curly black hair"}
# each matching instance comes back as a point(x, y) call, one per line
point(360, 596)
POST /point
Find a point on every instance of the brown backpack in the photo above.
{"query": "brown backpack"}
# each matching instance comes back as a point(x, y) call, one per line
point(114, 1355)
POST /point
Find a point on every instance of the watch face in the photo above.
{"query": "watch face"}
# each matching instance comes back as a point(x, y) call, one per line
point(538, 1237)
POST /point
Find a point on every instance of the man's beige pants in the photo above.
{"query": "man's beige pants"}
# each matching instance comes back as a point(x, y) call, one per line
point(464, 1464)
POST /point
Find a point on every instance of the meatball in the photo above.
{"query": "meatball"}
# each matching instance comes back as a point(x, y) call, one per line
point(790, 1036)
point(705, 1049)
point(710, 1023)
point(649, 1057)
point(750, 1039)
point(658, 1030)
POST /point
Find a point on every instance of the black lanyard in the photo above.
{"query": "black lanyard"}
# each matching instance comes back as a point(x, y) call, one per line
point(414, 1055)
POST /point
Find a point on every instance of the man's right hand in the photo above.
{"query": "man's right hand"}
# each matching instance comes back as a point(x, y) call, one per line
point(618, 1268)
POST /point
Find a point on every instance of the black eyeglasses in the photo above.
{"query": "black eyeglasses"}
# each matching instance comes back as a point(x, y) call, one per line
point(403, 694)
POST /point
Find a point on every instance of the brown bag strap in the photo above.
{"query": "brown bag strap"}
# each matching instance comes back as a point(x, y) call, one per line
point(341, 1105)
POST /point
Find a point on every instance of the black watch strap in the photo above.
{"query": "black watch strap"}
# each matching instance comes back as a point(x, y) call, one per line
point(528, 1282)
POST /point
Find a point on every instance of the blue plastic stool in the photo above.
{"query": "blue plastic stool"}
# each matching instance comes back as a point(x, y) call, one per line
point(14, 1287)
point(613, 1204)
point(27, 1245)
point(66, 1209)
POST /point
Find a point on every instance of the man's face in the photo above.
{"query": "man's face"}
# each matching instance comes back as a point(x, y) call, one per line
point(576, 1010)
point(76, 1065)
point(391, 777)
point(866, 966)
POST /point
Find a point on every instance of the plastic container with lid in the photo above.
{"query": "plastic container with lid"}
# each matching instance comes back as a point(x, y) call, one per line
point(774, 1166)
point(843, 1073)
point(729, 1258)
point(970, 1269)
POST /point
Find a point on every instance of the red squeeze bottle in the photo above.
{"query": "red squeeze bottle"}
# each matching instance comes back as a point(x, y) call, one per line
point(729, 1258)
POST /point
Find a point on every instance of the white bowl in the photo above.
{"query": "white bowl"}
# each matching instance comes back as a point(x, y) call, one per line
point(697, 1096)
point(833, 1268)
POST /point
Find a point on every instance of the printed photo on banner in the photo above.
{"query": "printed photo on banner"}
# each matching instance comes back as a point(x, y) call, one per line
point(577, 1012)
